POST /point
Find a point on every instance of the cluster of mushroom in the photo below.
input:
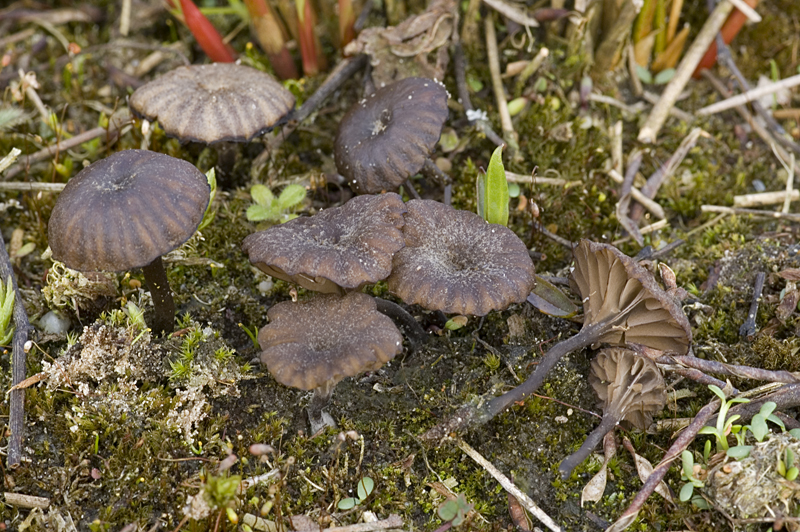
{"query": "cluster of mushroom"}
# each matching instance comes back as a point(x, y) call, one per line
point(429, 253)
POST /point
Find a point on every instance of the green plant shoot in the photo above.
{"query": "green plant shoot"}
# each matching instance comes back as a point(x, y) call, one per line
point(269, 208)
point(492, 191)
point(7, 296)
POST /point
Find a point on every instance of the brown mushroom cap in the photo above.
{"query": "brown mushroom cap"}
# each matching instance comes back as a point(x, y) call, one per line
point(630, 386)
point(385, 138)
point(324, 339)
point(456, 262)
point(346, 246)
point(612, 284)
point(214, 103)
point(126, 210)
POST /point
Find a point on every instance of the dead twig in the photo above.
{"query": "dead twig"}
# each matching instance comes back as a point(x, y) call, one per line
point(765, 198)
point(753, 212)
point(509, 486)
point(749, 96)
point(733, 370)
point(460, 67)
point(20, 500)
point(787, 396)
point(685, 69)
point(749, 327)
point(509, 134)
point(634, 162)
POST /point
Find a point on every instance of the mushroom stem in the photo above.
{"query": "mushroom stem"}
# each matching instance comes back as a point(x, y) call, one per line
point(606, 425)
point(405, 322)
point(315, 408)
point(469, 415)
point(156, 279)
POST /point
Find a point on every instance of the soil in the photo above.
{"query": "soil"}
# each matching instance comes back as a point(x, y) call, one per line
point(128, 431)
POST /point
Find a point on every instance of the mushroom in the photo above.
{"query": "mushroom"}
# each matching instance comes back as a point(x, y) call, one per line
point(622, 302)
point(313, 344)
point(631, 389)
point(388, 137)
point(124, 212)
point(335, 250)
point(339, 250)
point(456, 262)
point(214, 103)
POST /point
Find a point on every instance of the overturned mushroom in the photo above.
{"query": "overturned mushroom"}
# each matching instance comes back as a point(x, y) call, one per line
point(336, 249)
point(456, 262)
point(388, 137)
point(124, 212)
point(622, 302)
point(631, 389)
point(214, 103)
point(314, 344)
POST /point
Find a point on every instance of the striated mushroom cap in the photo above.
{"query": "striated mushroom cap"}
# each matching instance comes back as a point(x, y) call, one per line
point(126, 210)
point(630, 386)
point(322, 340)
point(614, 286)
point(456, 262)
point(342, 247)
point(214, 103)
point(385, 138)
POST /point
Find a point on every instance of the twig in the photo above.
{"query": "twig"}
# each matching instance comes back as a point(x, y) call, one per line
point(615, 132)
point(497, 85)
point(125, 18)
point(787, 396)
point(681, 443)
point(511, 177)
point(733, 370)
point(20, 500)
point(393, 521)
point(765, 198)
point(602, 98)
point(749, 96)
point(685, 69)
point(634, 162)
point(677, 113)
point(113, 130)
point(760, 130)
point(753, 212)
point(647, 229)
point(22, 327)
point(749, 327)
point(746, 10)
point(646, 202)
point(509, 486)
point(512, 12)
point(552, 236)
point(789, 179)
point(24, 186)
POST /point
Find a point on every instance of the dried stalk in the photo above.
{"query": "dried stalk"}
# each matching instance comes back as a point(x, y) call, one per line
point(497, 85)
point(753, 212)
point(765, 198)
point(460, 67)
point(751, 95)
point(732, 370)
point(684, 71)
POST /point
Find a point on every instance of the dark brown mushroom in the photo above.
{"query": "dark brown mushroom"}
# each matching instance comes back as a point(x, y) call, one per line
point(387, 137)
point(631, 389)
point(336, 249)
point(214, 103)
point(314, 344)
point(456, 262)
point(124, 212)
point(622, 302)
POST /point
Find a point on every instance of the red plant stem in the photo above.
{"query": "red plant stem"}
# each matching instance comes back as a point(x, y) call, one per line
point(347, 19)
point(308, 45)
point(270, 35)
point(729, 30)
point(206, 34)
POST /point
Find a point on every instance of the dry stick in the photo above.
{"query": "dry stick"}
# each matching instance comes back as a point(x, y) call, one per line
point(637, 194)
point(749, 328)
point(18, 372)
point(733, 370)
point(760, 130)
point(787, 396)
point(681, 443)
point(677, 113)
point(509, 486)
point(695, 375)
point(665, 171)
point(343, 71)
point(754, 212)
point(459, 65)
point(724, 57)
point(634, 162)
point(684, 71)
point(511, 177)
point(538, 226)
point(750, 95)
point(497, 85)
point(765, 198)
point(51, 151)
point(789, 183)
point(23, 186)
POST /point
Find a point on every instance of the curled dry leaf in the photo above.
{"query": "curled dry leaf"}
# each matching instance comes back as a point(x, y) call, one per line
point(593, 490)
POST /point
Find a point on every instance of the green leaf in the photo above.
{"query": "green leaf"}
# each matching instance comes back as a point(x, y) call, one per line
point(262, 195)
point(644, 75)
point(495, 196)
point(717, 391)
point(664, 76)
point(516, 106)
point(795, 433)
point(740, 451)
point(346, 504)
point(291, 195)
point(775, 419)
point(514, 190)
point(259, 213)
point(550, 300)
point(448, 510)
point(708, 430)
point(686, 492)
point(789, 458)
point(758, 426)
point(700, 502)
point(7, 296)
point(791, 474)
point(767, 409)
point(365, 487)
point(687, 460)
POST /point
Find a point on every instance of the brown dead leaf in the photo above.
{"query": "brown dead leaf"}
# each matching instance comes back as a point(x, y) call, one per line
point(790, 274)
point(644, 468)
point(593, 490)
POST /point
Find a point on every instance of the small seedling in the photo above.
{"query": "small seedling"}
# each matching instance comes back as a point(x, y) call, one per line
point(492, 191)
point(692, 482)
point(364, 488)
point(786, 467)
point(454, 511)
point(724, 424)
point(7, 296)
point(271, 209)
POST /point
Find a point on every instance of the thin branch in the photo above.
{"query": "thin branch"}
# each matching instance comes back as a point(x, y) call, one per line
point(751, 95)
point(753, 212)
